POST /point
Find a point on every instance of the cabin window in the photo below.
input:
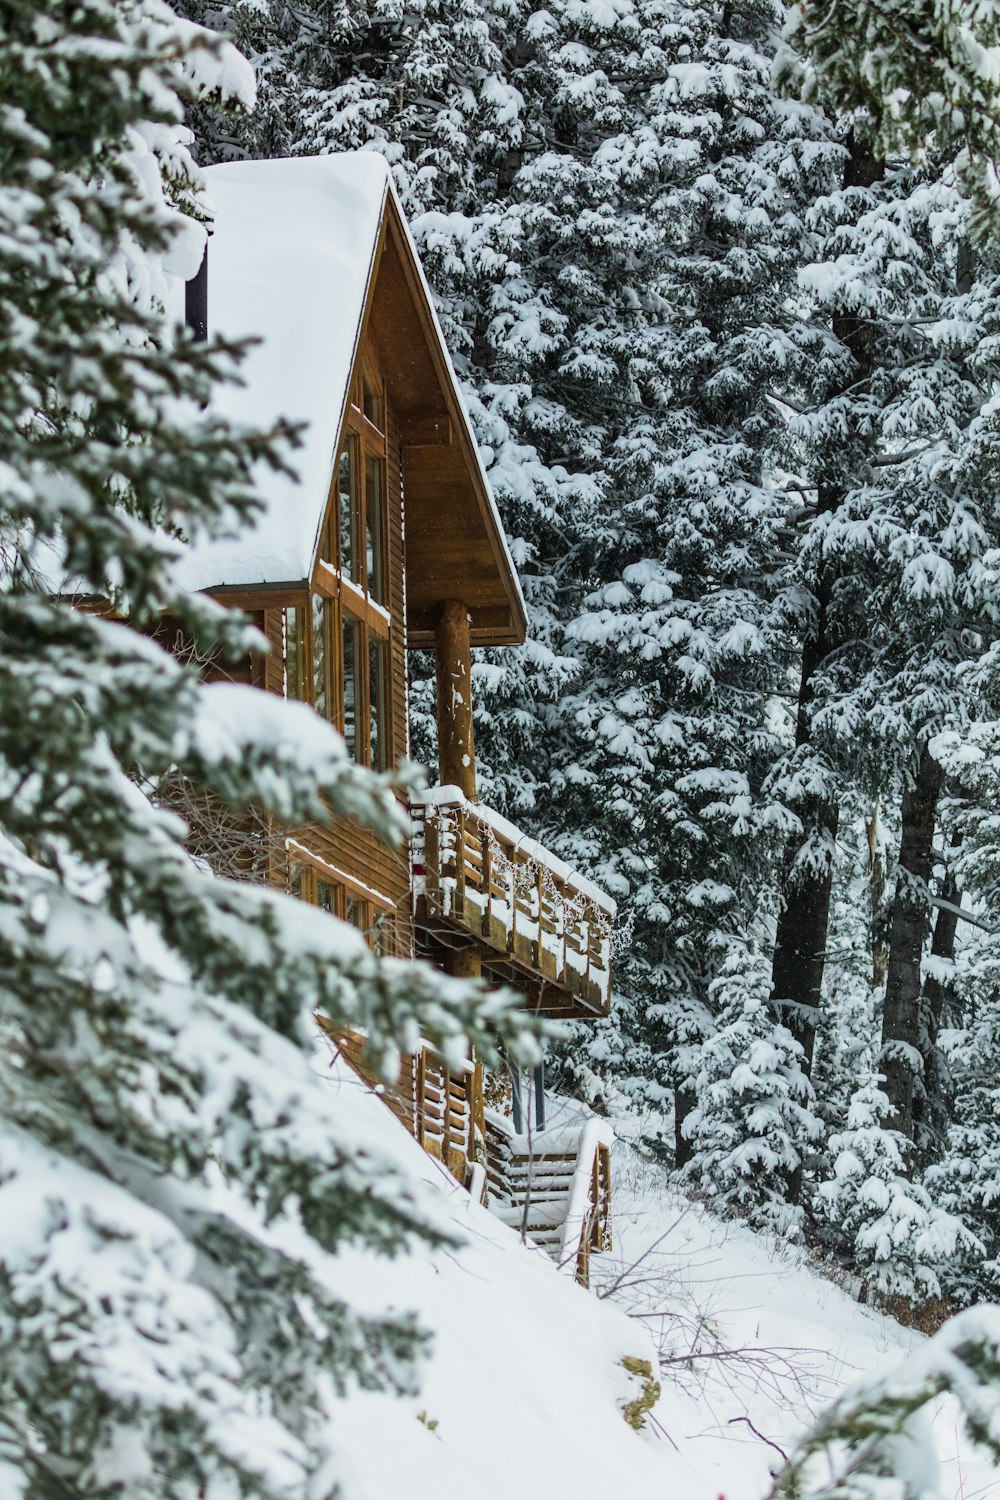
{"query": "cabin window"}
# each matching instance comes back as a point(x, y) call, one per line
point(324, 657)
point(375, 528)
point(294, 642)
point(378, 697)
point(339, 550)
point(353, 696)
point(371, 401)
point(343, 663)
point(306, 881)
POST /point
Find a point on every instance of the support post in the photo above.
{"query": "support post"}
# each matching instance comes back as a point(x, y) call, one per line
point(453, 663)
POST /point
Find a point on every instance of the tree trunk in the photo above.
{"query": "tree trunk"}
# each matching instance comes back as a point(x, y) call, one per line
point(876, 891)
point(684, 1103)
point(800, 941)
point(934, 1103)
point(908, 922)
point(801, 936)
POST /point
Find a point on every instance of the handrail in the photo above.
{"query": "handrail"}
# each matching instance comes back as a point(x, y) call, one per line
point(556, 1185)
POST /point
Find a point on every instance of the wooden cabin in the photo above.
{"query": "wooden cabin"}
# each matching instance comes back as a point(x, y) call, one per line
point(392, 542)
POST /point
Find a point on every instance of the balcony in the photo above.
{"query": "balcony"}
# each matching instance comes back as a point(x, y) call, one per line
point(537, 925)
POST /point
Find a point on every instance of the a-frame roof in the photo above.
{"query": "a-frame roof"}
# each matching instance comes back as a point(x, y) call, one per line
point(306, 255)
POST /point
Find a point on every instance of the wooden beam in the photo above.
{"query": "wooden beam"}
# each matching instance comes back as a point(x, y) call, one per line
point(453, 662)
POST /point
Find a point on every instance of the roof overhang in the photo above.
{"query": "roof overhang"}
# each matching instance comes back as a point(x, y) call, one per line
point(455, 546)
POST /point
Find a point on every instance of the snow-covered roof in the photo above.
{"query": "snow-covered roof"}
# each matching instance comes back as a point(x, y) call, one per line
point(291, 262)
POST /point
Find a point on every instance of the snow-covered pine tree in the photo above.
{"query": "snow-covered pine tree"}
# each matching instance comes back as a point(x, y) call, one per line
point(898, 552)
point(685, 638)
point(925, 77)
point(752, 1121)
point(886, 1225)
point(173, 1176)
point(967, 1178)
point(877, 1440)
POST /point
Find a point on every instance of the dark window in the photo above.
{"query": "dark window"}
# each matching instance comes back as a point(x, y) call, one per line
point(371, 402)
point(374, 529)
point(352, 686)
point(378, 703)
point(295, 653)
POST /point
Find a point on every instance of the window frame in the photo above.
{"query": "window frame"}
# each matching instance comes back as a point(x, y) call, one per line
point(337, 597)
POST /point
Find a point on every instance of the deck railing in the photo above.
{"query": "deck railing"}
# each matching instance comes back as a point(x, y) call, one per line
point(474, 870)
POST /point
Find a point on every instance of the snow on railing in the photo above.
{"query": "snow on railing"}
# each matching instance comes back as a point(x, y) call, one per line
point(554, 1186)
point(474, 868)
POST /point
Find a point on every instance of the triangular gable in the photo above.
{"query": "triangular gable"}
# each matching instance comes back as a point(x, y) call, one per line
point(296, 260)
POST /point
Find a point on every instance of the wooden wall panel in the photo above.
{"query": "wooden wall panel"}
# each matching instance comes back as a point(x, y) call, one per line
point(274, 662)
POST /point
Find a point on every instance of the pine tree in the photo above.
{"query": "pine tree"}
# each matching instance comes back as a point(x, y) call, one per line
point(887, 1226)
point(925, 77)
point(753, 1121)
point(173, 1177)
point(902, 461)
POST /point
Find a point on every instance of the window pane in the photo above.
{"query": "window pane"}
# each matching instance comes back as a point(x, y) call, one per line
point(374, 539)
point(357, 912)
point(294, 654)
point(372, 405)
point(323, 700)
point(378, 704)
point(348, 501)
point(352, 693)
point(326, 896)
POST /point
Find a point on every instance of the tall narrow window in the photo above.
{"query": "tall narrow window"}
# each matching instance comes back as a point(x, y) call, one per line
point(371, 402)
point(378, 730)
point(295, 653)
point(324, 696)
point(348, 502)
point(352, 687)
point(374, 529)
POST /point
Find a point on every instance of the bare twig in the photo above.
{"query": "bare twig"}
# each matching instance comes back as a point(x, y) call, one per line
point(760, 1435)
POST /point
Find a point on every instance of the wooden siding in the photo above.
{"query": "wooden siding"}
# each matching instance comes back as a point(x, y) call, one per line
point(378, 873)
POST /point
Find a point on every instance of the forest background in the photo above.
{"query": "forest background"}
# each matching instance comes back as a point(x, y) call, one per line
point(728, 326)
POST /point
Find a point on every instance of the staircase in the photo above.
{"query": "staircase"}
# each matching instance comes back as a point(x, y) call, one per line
point(553, 1187)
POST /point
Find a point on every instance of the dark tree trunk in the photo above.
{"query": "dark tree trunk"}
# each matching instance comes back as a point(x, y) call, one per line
point(876, 893)
point(800, 942)
point(934, 1103)
point(684, 1103)
point(803, 922)
point(908, 923)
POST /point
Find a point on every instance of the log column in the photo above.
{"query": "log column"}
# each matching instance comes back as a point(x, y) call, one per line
point(456, 748)
point(453, 660)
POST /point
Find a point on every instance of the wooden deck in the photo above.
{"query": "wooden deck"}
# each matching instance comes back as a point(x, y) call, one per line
point(538, 925)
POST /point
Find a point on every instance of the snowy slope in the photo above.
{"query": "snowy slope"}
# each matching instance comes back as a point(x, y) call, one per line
point(700, 1284)
point(524, 1382)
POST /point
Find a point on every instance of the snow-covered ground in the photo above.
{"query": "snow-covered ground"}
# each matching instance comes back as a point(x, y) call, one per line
point(524, 1388)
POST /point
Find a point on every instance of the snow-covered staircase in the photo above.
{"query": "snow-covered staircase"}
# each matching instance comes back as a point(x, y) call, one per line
point(553, 1187)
